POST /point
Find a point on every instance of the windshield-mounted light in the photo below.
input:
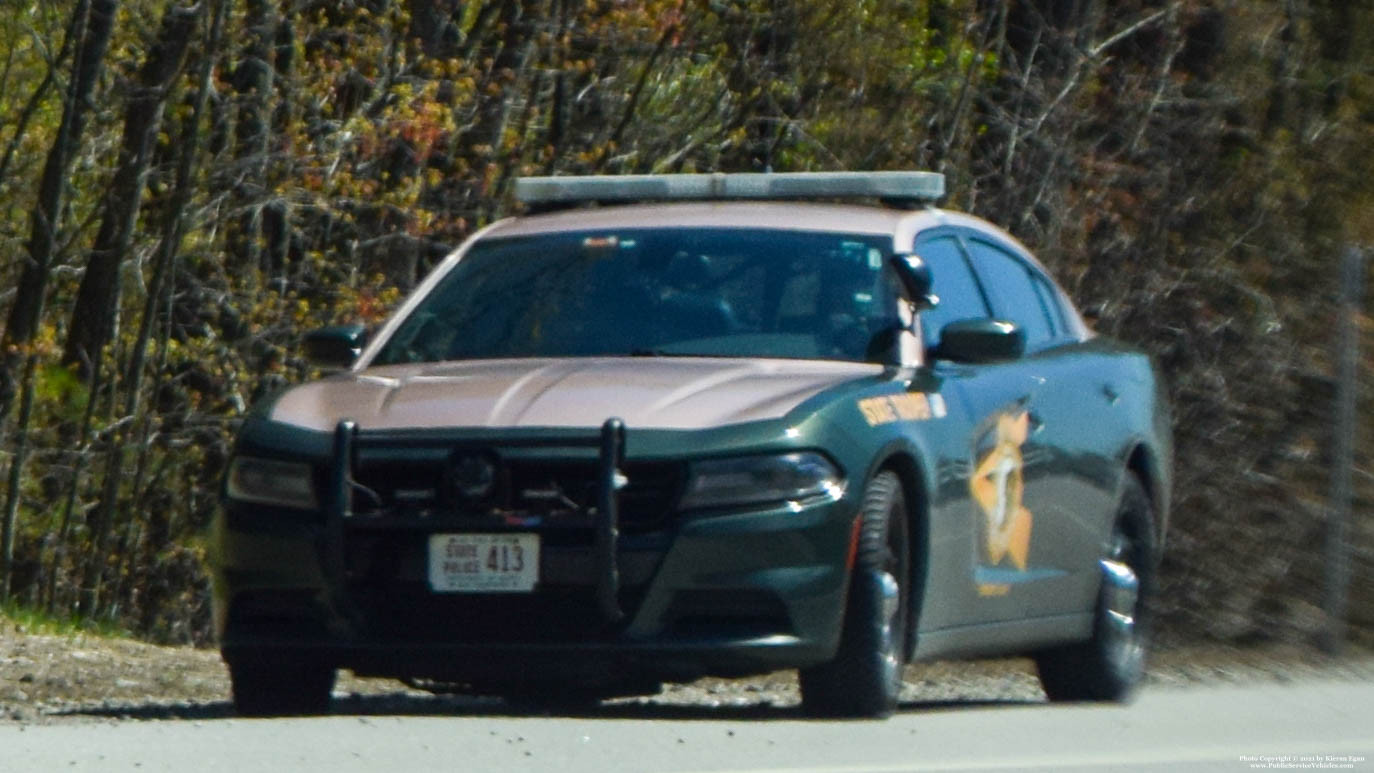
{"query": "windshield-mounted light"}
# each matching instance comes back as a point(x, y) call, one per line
point(271, 482)
point(753, 480)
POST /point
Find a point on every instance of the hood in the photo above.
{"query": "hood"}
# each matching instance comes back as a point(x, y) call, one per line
point(655, 393)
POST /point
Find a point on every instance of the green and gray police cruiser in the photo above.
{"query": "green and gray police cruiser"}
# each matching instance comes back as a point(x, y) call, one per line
point(665, 427)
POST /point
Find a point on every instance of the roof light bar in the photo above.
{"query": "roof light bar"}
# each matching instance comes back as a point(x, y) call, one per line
point(919, 186)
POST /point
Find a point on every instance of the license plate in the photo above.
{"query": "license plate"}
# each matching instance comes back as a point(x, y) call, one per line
point(483, 563)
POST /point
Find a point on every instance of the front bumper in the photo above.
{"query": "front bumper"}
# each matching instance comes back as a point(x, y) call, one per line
point(727, 594)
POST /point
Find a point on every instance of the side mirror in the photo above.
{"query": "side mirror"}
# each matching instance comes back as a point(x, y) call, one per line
point(335, 347)
point(915, 277)
point(981, 340)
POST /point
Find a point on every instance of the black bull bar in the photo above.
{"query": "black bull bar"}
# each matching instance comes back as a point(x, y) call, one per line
point(610, 480)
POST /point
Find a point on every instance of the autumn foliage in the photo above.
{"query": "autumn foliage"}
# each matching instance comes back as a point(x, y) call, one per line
point(185, 188)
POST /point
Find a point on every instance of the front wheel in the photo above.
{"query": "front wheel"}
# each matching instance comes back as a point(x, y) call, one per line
point(1108, 666)
point(865, 678)
point(266, 685)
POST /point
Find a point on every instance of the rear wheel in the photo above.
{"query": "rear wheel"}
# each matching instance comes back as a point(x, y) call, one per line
point(267, 685)
point(865, 677)
point(1108, 666)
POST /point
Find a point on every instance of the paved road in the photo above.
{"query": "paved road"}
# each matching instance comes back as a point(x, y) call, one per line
point(1191, 729)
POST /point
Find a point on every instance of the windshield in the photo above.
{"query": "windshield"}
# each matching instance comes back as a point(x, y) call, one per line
point(671, 291)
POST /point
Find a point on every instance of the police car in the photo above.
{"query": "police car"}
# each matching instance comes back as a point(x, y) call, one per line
point(664, 427)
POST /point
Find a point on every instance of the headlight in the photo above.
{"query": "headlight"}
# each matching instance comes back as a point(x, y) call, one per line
point(270, 482)
point(751, 480)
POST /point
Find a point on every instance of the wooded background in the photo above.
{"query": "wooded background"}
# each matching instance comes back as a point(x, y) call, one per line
point(185, 188)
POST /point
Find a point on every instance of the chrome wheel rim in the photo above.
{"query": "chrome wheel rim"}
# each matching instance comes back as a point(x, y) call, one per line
point(890, 596)
point(1120, 603)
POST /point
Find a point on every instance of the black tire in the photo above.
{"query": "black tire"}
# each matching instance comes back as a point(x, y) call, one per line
point(266, 685)
point(865, 677)
point(553, 700)
point(1109, 666)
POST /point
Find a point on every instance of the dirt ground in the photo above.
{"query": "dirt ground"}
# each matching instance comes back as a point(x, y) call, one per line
point(82, 677)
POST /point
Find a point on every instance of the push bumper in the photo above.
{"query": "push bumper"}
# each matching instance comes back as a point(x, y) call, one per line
point(728, 593)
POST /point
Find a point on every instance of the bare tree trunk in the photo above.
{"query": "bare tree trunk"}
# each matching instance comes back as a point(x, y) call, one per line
point(254, 81)
point(64, 528)
point(276, 212)
point(159, 532)
point(166, 252)
point(96, 25)
point(635, 94)
point(93, 314)
point(559, 106)
point(21, 452)
point(40, 93)
point(480, 143)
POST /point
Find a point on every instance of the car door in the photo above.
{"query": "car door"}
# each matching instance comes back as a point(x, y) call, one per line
point(979, 530)
point(1059, 523)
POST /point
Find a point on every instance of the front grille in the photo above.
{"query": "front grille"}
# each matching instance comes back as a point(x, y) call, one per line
point(386, 577)
point(551, 488)
point(406, 487)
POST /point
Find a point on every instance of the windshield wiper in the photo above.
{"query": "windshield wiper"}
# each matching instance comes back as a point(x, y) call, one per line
point(652, 353)
point(666, 353)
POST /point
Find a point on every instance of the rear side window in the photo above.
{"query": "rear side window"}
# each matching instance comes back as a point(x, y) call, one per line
point(954, 284)
point(1050, 299)
point(1014, 295)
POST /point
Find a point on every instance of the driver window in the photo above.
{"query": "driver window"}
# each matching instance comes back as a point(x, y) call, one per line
point(960, 295)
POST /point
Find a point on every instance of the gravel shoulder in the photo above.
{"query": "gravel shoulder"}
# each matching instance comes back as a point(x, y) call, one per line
point(81, 677)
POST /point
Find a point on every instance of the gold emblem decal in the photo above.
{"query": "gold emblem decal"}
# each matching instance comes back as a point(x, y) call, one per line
point(998, 486)
point(907, 406)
